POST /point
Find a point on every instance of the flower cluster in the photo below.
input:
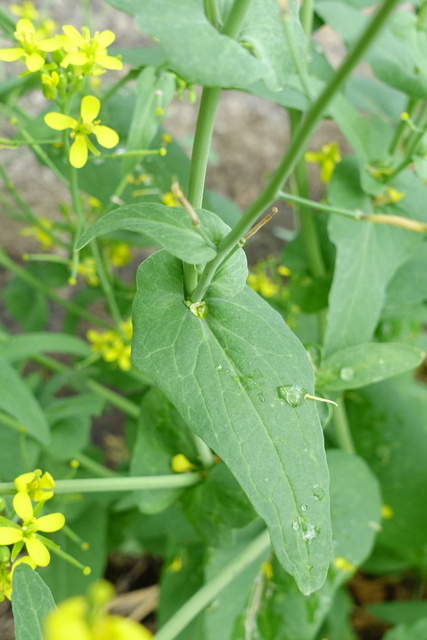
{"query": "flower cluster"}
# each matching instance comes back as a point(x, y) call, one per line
point(63, 61)
point(113, 346)
point(86, 618)
point(31, 487)
point(327, 157)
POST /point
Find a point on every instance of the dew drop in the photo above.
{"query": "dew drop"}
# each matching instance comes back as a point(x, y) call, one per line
point(346, 374)
point(295, 526)
point(292, 394)
point(318, 493)
point(261, 397)
point(310, 532)
point(218, 367)
point(303, 507)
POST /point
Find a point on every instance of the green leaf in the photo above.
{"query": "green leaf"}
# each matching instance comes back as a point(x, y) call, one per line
point(17, 453)
point(276, 609)
point(26, 304)
point(400, 612)
point(368, 255)
point(208, 58)
point(145, 121)
point(388, 422)
point(365, 364)
point(177, 587)
point(222, 373)
point(21, 347)
point(18, 401)
point(161, 434)
point(217, 506)
point(70, 423)
point(416, 631)
point(31, 602)
point(168, 227)
point(409, 284)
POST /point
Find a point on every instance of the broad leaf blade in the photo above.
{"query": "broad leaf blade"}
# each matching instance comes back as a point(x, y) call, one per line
point(31, 602)
point(17, 399)
point(365, 364)
point(222, 374)
point(23, 346)
point(167, 227)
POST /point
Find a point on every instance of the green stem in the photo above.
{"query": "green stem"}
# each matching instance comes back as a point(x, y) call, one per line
point(118, 483)
point(212, 12)
point(306, 16)
point(203, 134)
point(414, 141)
point(209, 591)
point(127, 406)
point(129, 154)
point(94, 467)
point(12, 423)
point(410, 108)
point(341, 428)
point(348, 213)
point(66, 304)
point(133, 73)
point(295, 149)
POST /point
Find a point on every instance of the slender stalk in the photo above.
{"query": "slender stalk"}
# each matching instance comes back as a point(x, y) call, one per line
point(296, 148)
point(398, 135)
point(118, 483)
point(212, 12)
point(413, 144)
point(209, 591)
point(306, 16)
point(8, 421)
point(129, 154)
point(127, 406)
point(94, 467)
point(341, 428)
point(66, 304)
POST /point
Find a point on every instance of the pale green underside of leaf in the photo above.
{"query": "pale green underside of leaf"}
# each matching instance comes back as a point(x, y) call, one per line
point(168, 227)
point(32, 600)
point(222, 374)
point(368, 255)
point(17, 400)
point(365, 364)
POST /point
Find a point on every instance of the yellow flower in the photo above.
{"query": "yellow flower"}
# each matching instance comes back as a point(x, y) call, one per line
point(180, 464)
point(166, 138)
point(26, 534)
point(390, 196)
point(283, 271)
point(386, 512)
point(89, 52)
point(32, 49)
point(267, 569)
point(169, 200)
point(40, 232)
point(342, 564)
point(261, 283)
point(120, 254)
point(112, 346)
point(81, 129)
point(50, 83)
point(327, 157)
point(87, 269)
point(25, 10)
point(37, 485)
point(84, 618)
point(6, 575)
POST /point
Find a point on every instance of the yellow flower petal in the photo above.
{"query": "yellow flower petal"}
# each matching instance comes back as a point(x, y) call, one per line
point(37, 552)
point(68, 621)
point(10, 535)
point(105, 38)
point(89, 108)
point(106, 136)
point(24, 25)
point(23, 507)
point(73, 35)
point(180, 464)
point(109, 62)
point(51, 522)
point(120, 629)
point(10, 55)
point(50, 44)
point(24, 479)
point(78, 152)
point(34, 61)
point(59, 121)
point(77, 59)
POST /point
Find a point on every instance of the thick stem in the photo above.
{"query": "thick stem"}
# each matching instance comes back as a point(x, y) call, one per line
point(212, 12)
point(209, 591)
point(295, 150)
point(341, 428)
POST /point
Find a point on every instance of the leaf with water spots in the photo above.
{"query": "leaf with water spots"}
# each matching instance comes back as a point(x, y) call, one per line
point(222, 372)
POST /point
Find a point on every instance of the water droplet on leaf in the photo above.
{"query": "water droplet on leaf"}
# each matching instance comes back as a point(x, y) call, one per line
point(318, 493)
point(295, 526)
point(346, 374)
point(292, 394)
point(303, 507)
point(218, 367)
